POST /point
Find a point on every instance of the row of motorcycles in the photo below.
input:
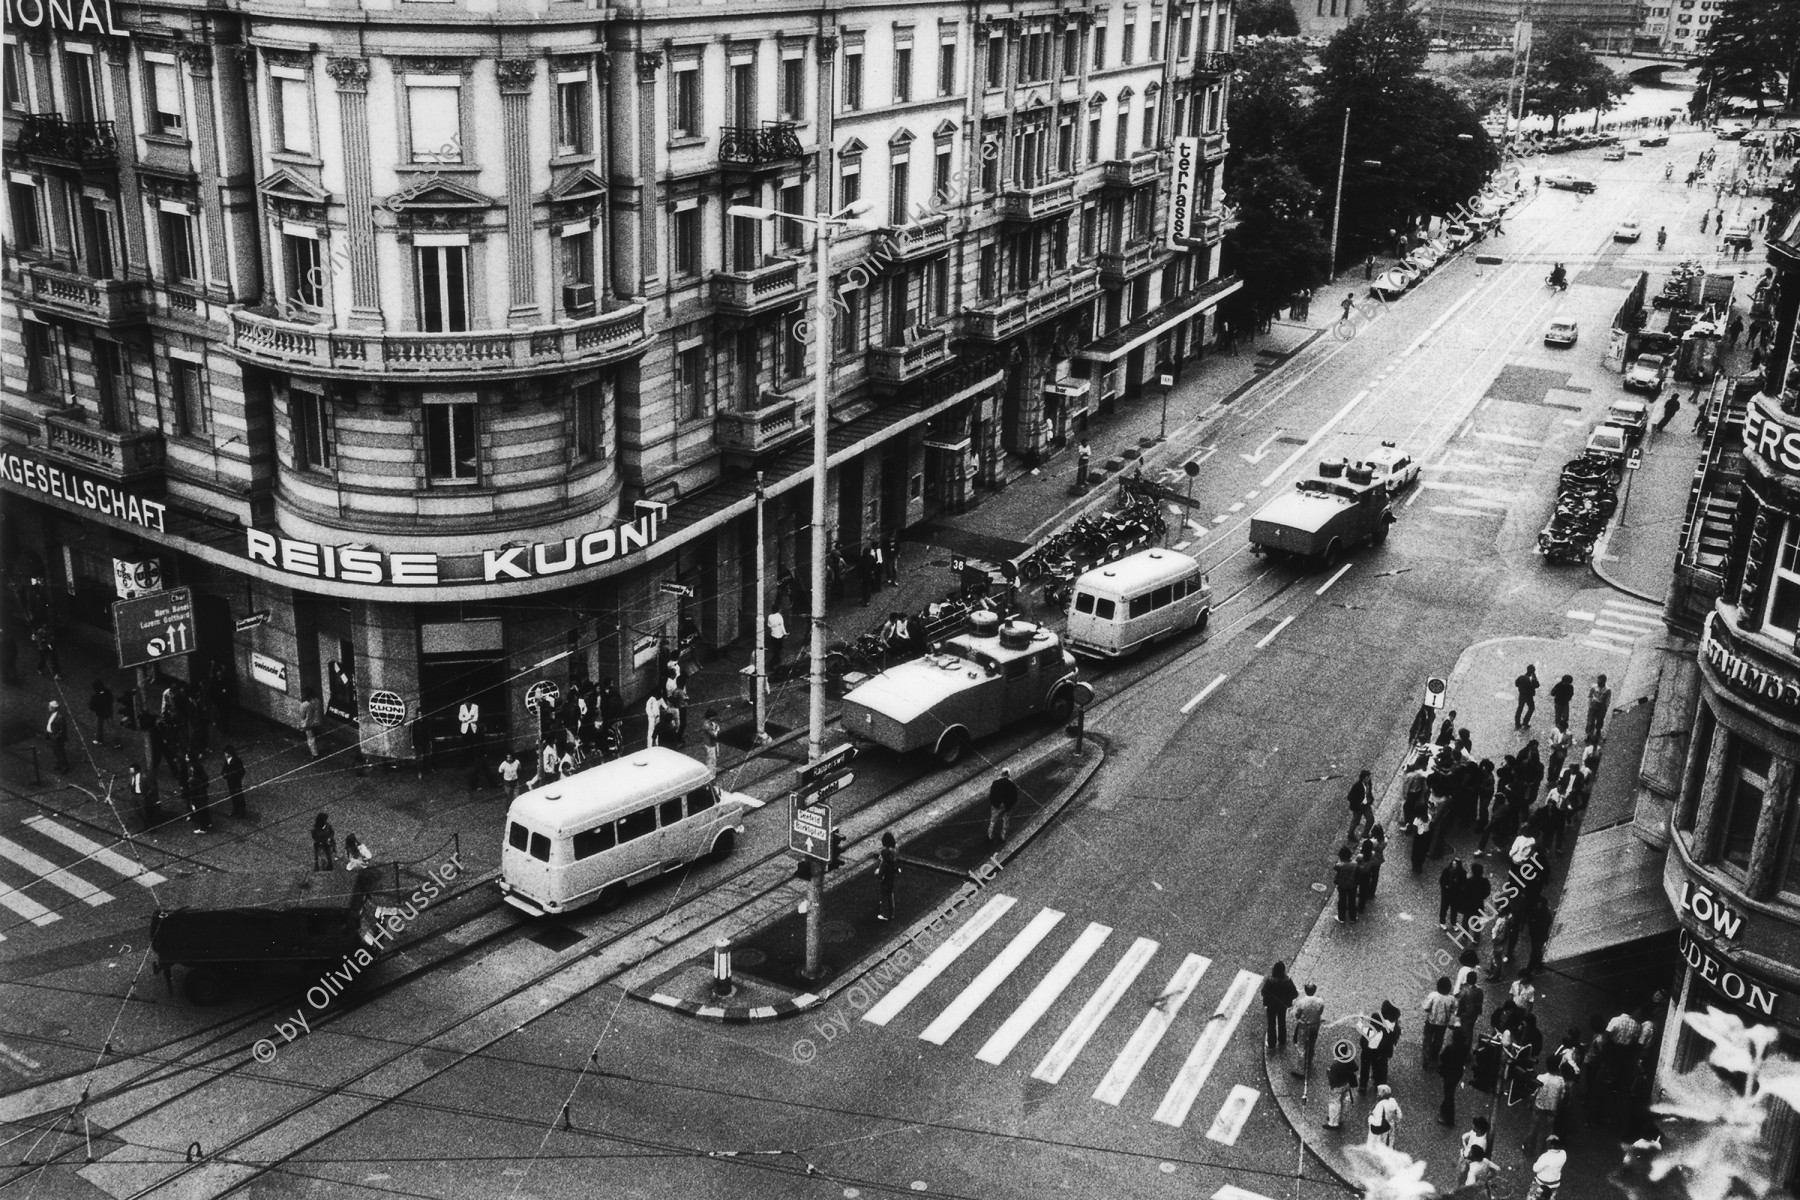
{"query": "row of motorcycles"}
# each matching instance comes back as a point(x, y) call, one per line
point(1586, 497)
point(1676, 287)
point(1060, 558)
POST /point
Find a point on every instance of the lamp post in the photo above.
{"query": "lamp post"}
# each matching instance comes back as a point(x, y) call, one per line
point(1337, 203)
point(825, 225)
point(1165, 379)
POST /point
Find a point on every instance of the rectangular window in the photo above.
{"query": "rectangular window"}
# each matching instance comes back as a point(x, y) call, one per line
point(1128, 44)
point(578, 258)
point(1090, 231)
point(311, 422)
point(940, 287)
point(83, 91)
point(903, 72)
point(793, 88)
point(304, 271)
point(1784, 592)
point(165, 99)
point(684, 119)
point(1099, 47)
point(41, 374)
point(590, 421)
point(853, 80)
point(1105, 610)
point(540, 847)
point(746, 366)
point(690, 381)
point(28, 234)
point(1156, 31)
point(1122, 140)
point(790, 348)
point(899, 309)
point(434, 122)
point(187, 397)
point(1093, 146)
point(96, 239)
point(1184, 32)
point(743, 94)
point(593, 841)
point(700, 799)
point(636, 825)
point(177, 235)
point(1065, 146)
point(898, 200)
point(850, 190)
point(685, 233)
point(441, 287)
point(451, 450)
point(849, 321)
point(990, 166)
point(517, 836)
point(1071, 64)
point(746, 243)
point(670, 811)
point(1149, 122)
point(947, 67)
point(293, 115)
point(988, 271)
point(790, 200)
point(572, 115)
point(112, 383)
point(940, 177)
point(1745, 788)
point(1059, 243)
point(996, 61)
point(14, 61)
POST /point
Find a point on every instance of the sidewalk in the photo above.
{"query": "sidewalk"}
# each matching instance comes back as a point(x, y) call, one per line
point(1395, 951)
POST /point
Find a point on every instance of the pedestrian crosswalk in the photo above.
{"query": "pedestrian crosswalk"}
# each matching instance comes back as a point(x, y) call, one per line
point(45, 865)
point(1617, 625)
point(1083, 975)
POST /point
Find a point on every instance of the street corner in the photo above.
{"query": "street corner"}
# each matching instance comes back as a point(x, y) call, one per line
point(690, 989)
point(1301, 1103)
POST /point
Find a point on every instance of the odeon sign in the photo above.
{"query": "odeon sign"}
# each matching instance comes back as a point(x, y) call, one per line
point(1772, 437)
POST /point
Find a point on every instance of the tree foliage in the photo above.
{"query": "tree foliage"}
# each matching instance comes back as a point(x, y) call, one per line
point(1267, 108)
point(1267, 18)
point(1278, 246)
point(1564, 77)
point(1751, 46)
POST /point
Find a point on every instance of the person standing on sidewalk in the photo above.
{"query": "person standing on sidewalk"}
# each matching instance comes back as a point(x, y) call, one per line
point(1372, 854)
point(1473, 898)
point(56, 728)
point(231, 770)
point(887, 870)
point(1384, 1118)
point(1003, 793)
point(1362, 807)
point(1451, 1061)
point(1560, 741)
point(1538, 920)
point(1439, 1007)
point(1599, 700)
point(1278, 992)
point(1469, 1003)
point(1340, 1080)
point(1547, 1171)
point(1544, 1107)
point(1450, 888)
point(890, 560)
point(777, 625)
point(1527, 687)
point(653, 715)
point(709, 738)
point(1082, 455)
point(100, 703)
point(1343, 875)
point(1309, 1015)
point(198, 792)
point(509, 774)
point(143, 786)
point(312, 720)
point(1562, 694)
point(1380, 1032)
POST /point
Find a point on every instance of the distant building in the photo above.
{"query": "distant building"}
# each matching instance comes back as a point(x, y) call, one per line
point(1611, 26)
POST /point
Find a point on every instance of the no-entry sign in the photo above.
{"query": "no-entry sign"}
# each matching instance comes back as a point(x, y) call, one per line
point(154, 627)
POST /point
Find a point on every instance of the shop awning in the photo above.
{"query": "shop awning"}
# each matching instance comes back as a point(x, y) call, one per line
point(1159, 320)
point(1613, 896)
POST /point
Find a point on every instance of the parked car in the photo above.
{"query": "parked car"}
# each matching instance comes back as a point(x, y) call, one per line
point(1615, 154)
point(1628, 231)
point(1655, 139)
point(1630, 414)
point(1567, 182)
point(1608, 441)
point(1393, 282)
point(1737, 234)
point(1561, 333)
point(1458, 235)
point(1647, 373)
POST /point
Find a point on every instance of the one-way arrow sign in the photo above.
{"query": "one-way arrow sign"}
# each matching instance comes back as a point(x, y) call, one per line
point(810, 833)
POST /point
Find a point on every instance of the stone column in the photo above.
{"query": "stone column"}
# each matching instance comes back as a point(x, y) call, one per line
point(1765, 850)
point(1693, 774)
point(516, 75)
point(352, 76)
point(649, 203)
point(1704, 846)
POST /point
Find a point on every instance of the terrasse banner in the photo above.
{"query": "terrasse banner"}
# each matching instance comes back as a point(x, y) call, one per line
point(1184, 189)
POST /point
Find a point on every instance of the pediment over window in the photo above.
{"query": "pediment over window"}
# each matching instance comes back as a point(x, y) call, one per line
point(580, 187)
point(437, 196)
point(293, 197)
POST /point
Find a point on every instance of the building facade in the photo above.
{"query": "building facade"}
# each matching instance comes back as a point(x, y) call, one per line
point(418, 341)
point(1732, 875)
point(1609, 25)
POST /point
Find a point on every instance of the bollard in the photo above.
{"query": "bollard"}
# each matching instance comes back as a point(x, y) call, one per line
point(722, 985)
point(37, 778)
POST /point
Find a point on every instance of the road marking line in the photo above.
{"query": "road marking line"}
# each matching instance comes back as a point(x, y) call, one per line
point(1341, 571)
point(1414, 498)
point(908, 989)
point(1182, 545)
point(1253, 493)
point(1150, 1030)
point(1509, 440)
point(1238, 507)
point(1099, 1006)
point(1630, 607)
point(1232, 1115)
point(25, 906)
point(1049, 989)
point(1621, 650)
point(1220, 519)
point(1451, 511)
point(50, 873)
point(1270, 636)
point(94, 850)
point(1575, 614)
point(1438, 324)
point(1573, 421)
point(1262, 450)
point(1202, 694)
point(1607, 635)
point(991, 977)
point(1314, 439)
point(1232, 1191)
point(1605, 621)
point(1205, 1054)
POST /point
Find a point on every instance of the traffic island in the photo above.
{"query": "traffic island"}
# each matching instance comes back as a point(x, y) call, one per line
point(946, 860)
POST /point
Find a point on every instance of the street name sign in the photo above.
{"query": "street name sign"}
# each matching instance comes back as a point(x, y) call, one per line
point(826, 763)
point(154, 627)
point(818, 791)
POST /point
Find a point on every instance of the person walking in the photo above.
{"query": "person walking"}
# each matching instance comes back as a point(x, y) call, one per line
point(312, 720)
point(1362, 806)
point(1421, 726)
point(1343, 874)
point(1439, 1007)
point(709, 738)
point(1451, 1062)
point(1551, 1087)
point(653, 716)
point(1368, 867)
point(1384, 1117)
point(1547, 1170)
point(56, 728)
point(100, 703)
point(777, 638)
point(1368, 268)
point(1082, 455)
point(1671, 406)
point(1662, 236)
point(1003, 793)
point(1469, 1002)
point(1349, 304)
point(1446, 734)
point(890, 560)
point(1527, 687)
point(1450, 893)
point(1278, 992)
point(356, 855)
point(43, 636)
point(509, 774)
point(1309, 1015)
point(1562, 694)
point(1599, 700)
point(1340, 1081)
point(197, 791)
point(231, 770)
point(1380, 1033)
point(887, 870)
point(143, 787)
point(1538, 920)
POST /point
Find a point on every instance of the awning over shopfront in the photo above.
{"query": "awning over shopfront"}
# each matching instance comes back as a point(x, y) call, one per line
point(1613, 897)
point(1160, 320)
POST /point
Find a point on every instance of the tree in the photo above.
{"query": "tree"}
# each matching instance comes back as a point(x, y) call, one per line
point(1749, 49)
point(1266, 107)
point(1565, 78)
point(1267, 18)
point(1277, 247)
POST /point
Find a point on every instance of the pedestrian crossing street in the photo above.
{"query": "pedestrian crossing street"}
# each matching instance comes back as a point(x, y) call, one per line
point(1618, 624)
point(1058, 987)
point(45, 865)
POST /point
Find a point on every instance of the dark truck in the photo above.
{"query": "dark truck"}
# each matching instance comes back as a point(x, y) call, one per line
point(216, 925)
point(1341, 507)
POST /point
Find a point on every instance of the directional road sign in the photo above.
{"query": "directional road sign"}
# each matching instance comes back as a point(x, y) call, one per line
point(154, 627)
point(810, 834)
point(826, 763)
point(818, 791)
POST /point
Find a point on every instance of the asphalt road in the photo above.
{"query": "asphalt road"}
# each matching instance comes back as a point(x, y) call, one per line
point(1200, 849)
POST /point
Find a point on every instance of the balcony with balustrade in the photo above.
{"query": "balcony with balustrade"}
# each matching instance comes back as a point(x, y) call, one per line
point(1119, 266)
point(1212, 226)
point(1213, 146)
point(781, 418)
point(266, 340)
point(772, 144)
point(49, 138)
point(108, 303)
point(996, 321)
point(757, 290)
point(918, 239)
point(126, 456)
point(1021, 203)
point(1214, 62)
point(919, 355)
point(1131, 172)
